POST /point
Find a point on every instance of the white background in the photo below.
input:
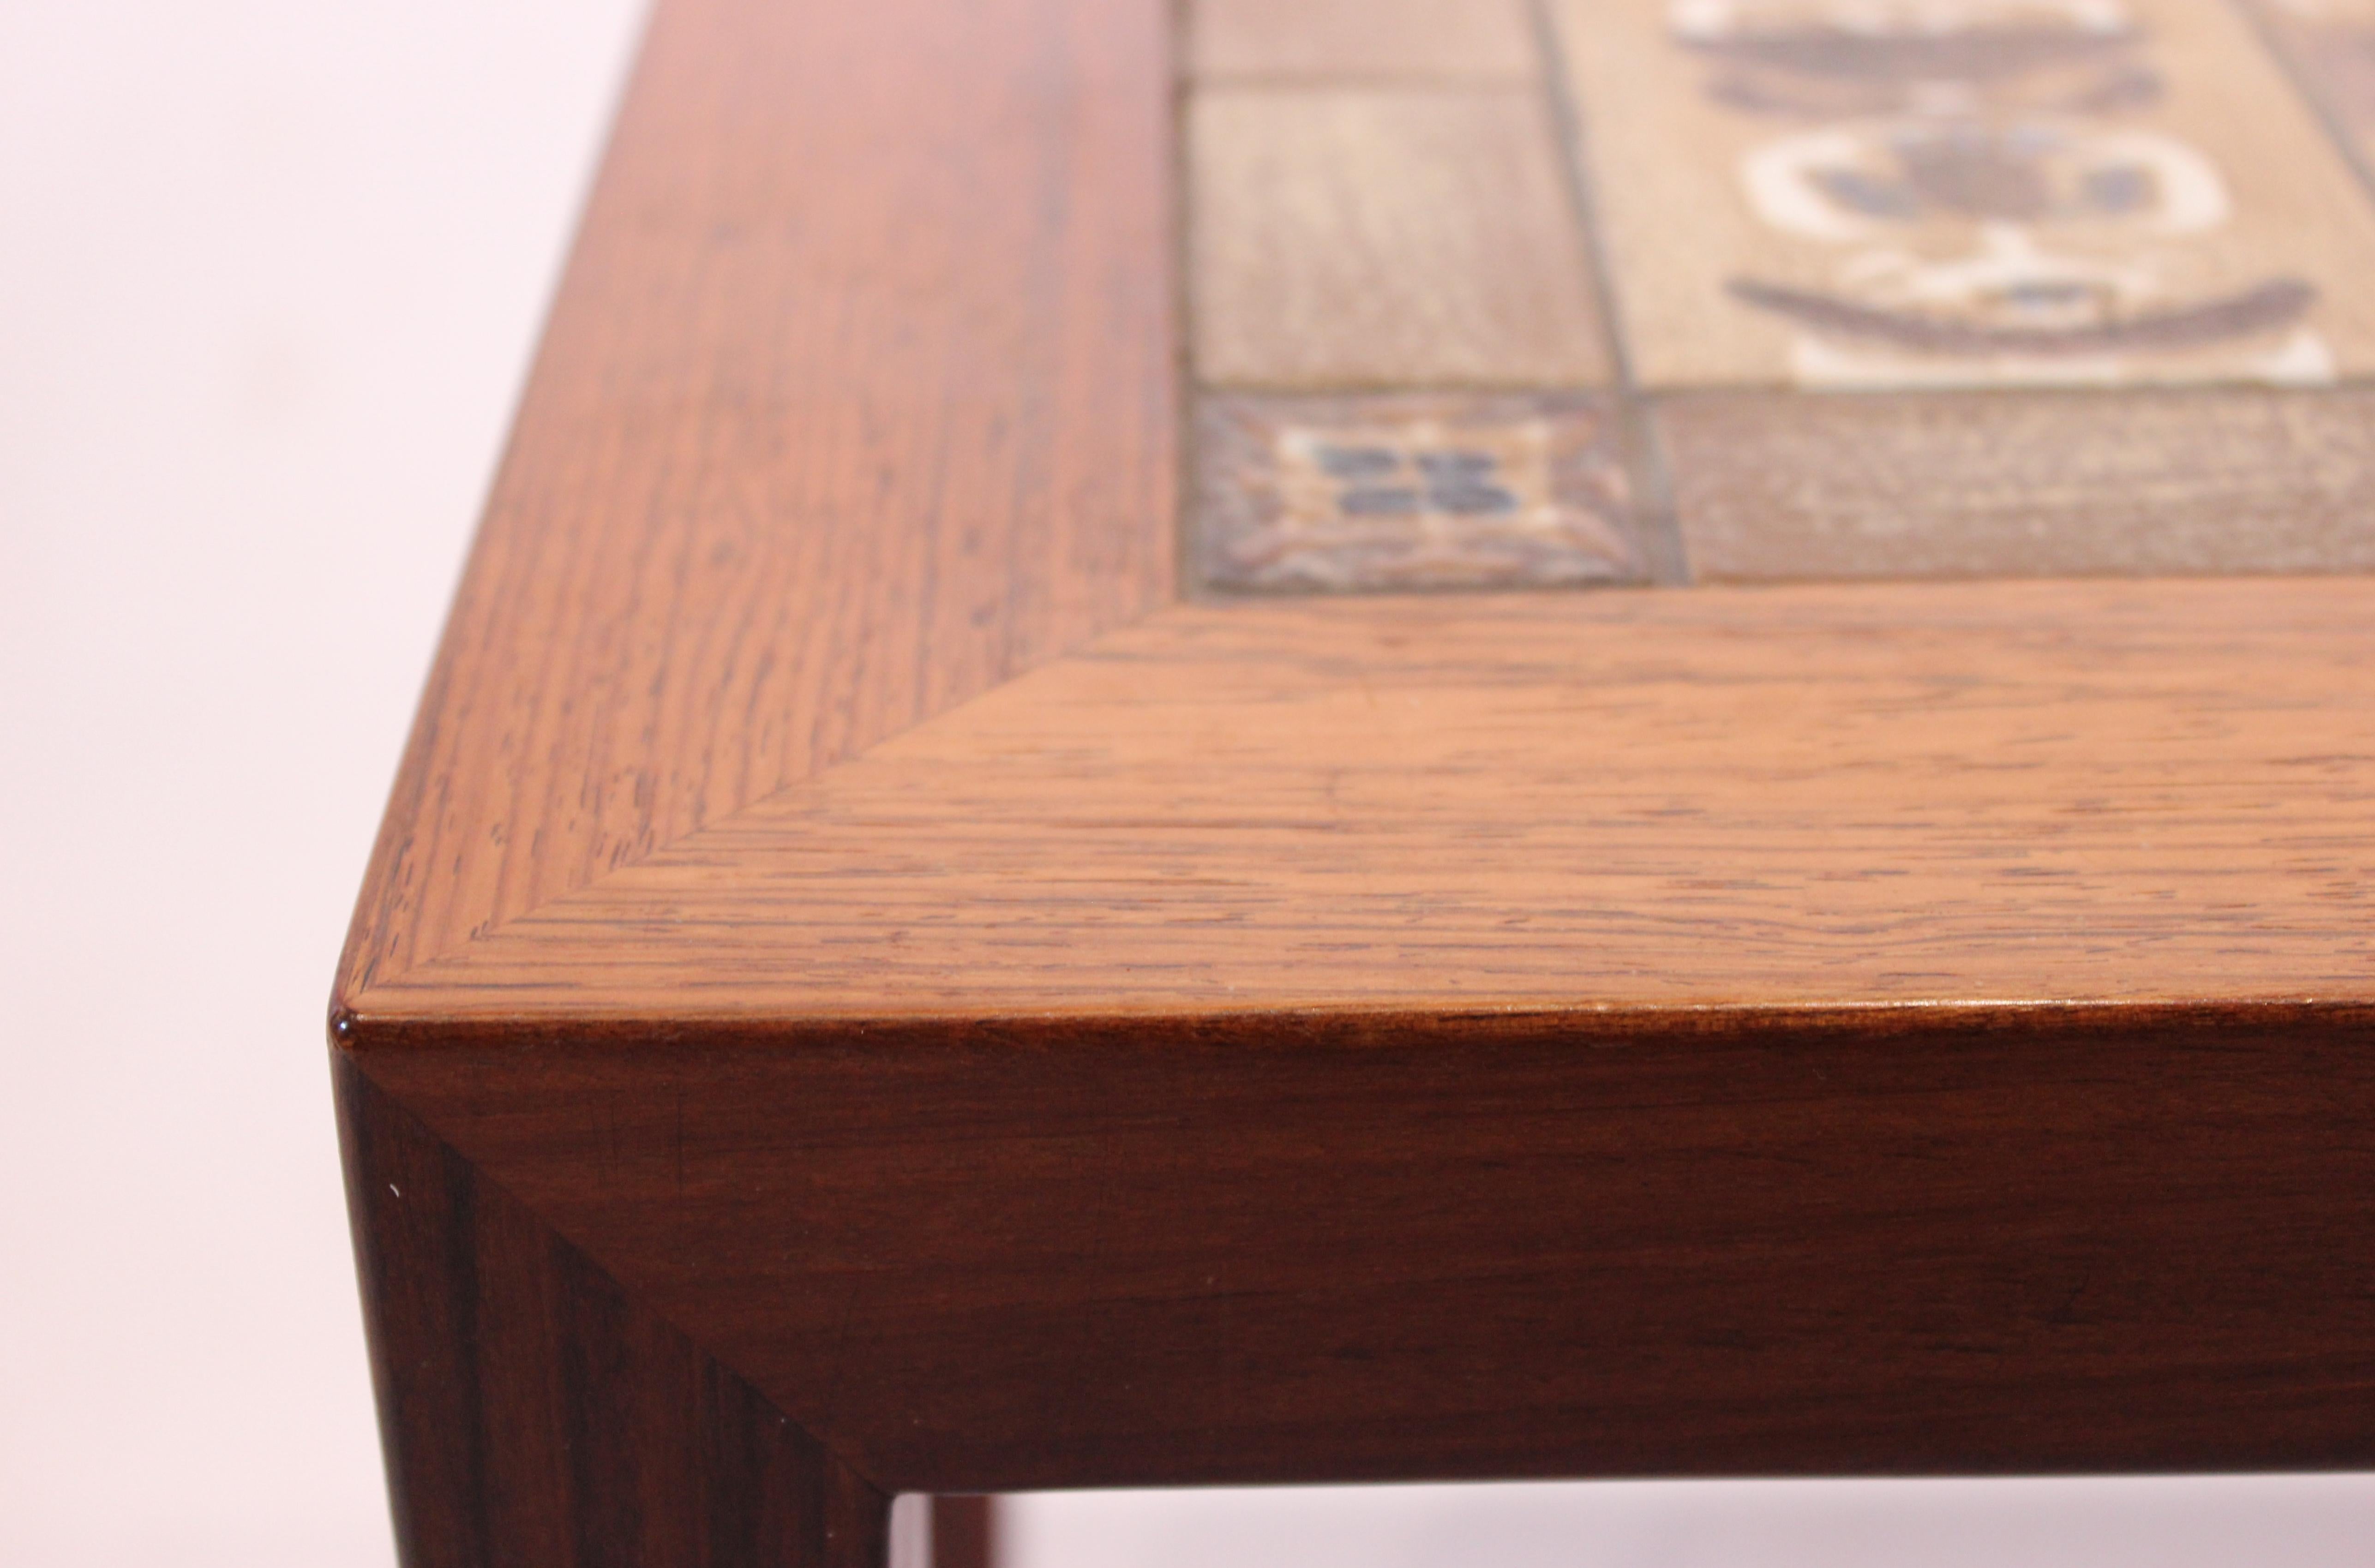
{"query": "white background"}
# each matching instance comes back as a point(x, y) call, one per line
point(269, 274)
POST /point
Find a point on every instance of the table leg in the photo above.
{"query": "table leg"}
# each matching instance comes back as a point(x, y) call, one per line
point(534, 1416)
point(962, 1536)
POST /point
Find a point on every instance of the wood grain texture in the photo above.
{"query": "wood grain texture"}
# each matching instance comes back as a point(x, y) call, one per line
point(532, 1412)
point(856, 993)
point(1340, 40)
point(2047, 791)
point(1728, 188)
point(1024, 1252)
point(1347, 237)
point(855, 402)
point(860, 373)
point(1776, 486)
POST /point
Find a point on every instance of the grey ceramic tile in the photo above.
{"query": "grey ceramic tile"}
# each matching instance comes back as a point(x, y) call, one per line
point(1787, 484)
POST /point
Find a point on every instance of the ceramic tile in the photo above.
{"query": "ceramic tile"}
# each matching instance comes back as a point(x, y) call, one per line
point(1782, 485)
point(1412, 492)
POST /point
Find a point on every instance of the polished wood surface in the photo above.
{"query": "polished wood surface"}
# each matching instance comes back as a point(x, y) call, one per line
point(860, 374)
point(2102, 793)
point(1017, 1252)
point(533, 1413)
point(861, 989)
point(963, 1533)
point(855, 403)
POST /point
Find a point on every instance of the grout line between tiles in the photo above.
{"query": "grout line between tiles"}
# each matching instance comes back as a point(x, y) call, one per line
point(2311, 89)
point(1187, 524)
point(1656, 525)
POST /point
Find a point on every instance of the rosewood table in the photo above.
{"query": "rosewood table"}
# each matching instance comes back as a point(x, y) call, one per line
point(1337, 739)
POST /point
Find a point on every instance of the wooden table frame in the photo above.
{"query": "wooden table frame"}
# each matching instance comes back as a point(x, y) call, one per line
point(864, 988)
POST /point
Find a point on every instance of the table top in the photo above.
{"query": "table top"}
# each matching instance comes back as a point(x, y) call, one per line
point(1887, 481)
point(1421, 739)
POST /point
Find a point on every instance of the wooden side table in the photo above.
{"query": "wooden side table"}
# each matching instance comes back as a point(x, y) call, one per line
point(1395, 740)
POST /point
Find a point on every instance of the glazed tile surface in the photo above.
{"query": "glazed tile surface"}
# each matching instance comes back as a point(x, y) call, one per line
point(1615, 291)
point(1396, 492)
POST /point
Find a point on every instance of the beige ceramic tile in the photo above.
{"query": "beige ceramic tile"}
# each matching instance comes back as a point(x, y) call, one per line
point(1376, 238)
point(1912, 192)
point(1433, 40)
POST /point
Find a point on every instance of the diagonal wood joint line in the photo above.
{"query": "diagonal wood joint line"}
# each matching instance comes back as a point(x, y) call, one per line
point(554, 1236)
point(1720, 780)
point(453, 959)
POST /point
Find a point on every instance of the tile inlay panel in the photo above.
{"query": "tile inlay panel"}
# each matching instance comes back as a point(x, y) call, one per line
point(1760, 289)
